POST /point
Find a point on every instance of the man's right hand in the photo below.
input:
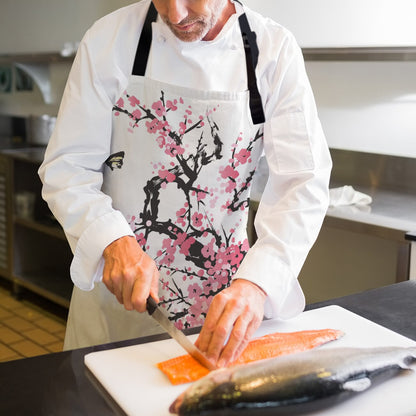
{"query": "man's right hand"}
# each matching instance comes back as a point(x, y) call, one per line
point(130, 274)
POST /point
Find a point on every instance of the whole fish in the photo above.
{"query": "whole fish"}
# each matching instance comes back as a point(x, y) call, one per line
point(293, 384)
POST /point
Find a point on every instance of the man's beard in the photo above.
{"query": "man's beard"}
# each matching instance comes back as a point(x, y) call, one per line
point(201, 25)
point(197, 32)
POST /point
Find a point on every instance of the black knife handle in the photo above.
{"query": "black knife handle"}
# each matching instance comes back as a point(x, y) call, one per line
point(151, 305)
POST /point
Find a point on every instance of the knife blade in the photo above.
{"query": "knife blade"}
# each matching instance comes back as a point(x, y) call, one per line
point(156, 313)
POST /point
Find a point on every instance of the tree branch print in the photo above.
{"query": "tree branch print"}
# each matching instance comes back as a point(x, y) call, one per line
point(212, 255)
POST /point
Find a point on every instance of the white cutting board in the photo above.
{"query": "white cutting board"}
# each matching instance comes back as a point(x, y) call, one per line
point(130, 376)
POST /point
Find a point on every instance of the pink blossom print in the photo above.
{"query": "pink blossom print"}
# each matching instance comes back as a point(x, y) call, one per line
point(200, 239)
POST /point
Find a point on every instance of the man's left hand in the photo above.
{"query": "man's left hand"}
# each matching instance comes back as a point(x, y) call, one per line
point(235, 312)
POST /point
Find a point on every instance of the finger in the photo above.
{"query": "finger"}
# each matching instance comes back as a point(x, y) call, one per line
point(214, 313)
point(222, 331)
point(108, 284)
point(144, 281)
point(141, 290)
point(127, 289)
point(114, 284)
point(236, 341)
point(118, 293)
point(110, 281)
point(229, 355)
point(154, 289)
point(139, 295)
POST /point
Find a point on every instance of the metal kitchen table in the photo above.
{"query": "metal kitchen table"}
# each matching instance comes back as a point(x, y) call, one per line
point(58, 384)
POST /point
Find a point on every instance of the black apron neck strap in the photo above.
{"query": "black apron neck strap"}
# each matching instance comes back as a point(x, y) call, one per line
point(252, 56)
point(143, 48)
point(251, 52)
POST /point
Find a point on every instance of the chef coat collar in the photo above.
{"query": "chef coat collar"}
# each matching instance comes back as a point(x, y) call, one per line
point(250, 48)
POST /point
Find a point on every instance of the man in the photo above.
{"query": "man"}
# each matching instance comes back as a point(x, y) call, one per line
point(150, 166)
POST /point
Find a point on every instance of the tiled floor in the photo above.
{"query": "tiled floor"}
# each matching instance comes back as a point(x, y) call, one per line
point(28, 329)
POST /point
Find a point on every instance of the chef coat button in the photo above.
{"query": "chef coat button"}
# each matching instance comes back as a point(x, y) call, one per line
point(162, 39)
point(234, 47)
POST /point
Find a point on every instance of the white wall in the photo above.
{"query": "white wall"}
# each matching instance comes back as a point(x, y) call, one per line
point(32, 26)
point(338, 23)
point(367, 106)
point(45, 25)
point(363, 106)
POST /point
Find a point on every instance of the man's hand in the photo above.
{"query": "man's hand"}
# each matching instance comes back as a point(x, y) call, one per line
point(236, 311)
point(130, 274)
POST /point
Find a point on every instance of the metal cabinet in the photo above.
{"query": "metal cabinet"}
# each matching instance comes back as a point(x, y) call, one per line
point(34, 253)
point(411, 236)
point(5, 218)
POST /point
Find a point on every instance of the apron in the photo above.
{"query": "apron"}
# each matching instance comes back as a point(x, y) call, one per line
point(180, 170)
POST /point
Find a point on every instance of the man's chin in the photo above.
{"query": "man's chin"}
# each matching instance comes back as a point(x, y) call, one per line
point(193, 35)
point(188, 37)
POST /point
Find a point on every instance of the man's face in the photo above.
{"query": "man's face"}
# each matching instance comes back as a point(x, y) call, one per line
point(193, 20)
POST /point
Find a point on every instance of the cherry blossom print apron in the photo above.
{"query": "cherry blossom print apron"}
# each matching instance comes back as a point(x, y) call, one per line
point(180, 170)
point(181, 165)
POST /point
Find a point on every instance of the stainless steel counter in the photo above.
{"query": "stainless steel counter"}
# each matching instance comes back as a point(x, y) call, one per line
point(390, 215)
point(361, 247)
point(389, 180)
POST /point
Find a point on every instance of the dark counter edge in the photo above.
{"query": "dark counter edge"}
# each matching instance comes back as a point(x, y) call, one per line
point(411, 236)
point(65, 380)
point(392, 306)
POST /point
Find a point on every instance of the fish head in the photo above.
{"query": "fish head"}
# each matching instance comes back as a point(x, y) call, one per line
point(203, 387)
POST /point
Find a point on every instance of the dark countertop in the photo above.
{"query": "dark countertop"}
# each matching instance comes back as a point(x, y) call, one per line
point(59, 385)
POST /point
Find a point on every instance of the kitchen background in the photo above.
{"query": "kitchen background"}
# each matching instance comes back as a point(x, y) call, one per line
point(364, 105)
point(360, 56)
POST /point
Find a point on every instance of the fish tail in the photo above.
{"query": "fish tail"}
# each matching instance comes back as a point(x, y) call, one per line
point(408, 359)
point(412, 352)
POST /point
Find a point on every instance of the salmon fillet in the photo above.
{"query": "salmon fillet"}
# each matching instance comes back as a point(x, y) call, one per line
point(185, 369)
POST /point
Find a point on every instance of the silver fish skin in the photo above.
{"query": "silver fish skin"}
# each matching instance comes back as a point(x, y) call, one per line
point(292, 384)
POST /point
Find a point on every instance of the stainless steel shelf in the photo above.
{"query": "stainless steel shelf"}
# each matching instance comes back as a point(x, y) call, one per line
point(35, 252)
point(49, 284)
point(37, 66)
point(31, 58)
point(392, 53)
point(44, 227)
point(360, 54)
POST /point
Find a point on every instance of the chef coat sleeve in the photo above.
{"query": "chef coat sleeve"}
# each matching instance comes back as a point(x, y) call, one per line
point(295, 199)
point(72, 171)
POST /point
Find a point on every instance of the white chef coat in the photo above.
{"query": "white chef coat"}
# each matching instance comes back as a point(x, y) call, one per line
point(295, 199)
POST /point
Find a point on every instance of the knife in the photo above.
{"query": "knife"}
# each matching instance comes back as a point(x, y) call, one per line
point(156, 313)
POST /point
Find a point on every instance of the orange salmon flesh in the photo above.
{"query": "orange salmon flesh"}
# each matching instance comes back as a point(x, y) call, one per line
point(185, 369)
